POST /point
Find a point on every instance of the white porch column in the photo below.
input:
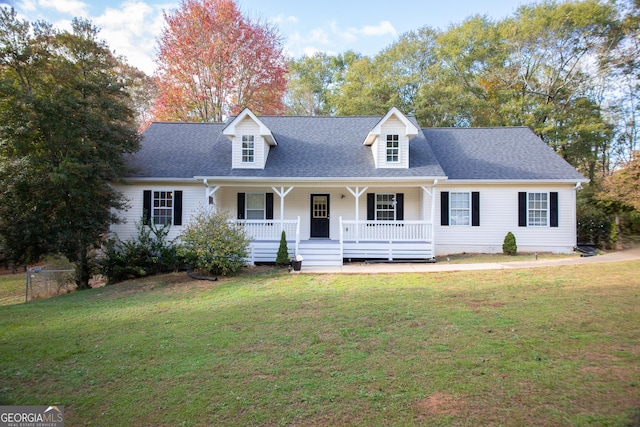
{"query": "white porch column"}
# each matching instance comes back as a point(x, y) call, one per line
point(432, 193)
point(210, 195)
point(357, 193)
point(282, 193)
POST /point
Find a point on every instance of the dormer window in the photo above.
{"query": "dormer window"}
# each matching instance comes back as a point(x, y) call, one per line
point(248, 149)
point(389, 140)
point(393, 148)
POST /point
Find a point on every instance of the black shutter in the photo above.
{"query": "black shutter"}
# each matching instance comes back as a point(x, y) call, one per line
point(444, 208)
point(146, 207)
point(553, 209)
point(400, 206)
point(522, 209)
point(177, 208)
point(371, 206)
point(240, 205)
point(475, 209)
point(269, 206)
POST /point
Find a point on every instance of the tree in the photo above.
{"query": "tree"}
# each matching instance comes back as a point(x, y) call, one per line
point(623, 186)
point(66, 127)
point(282, 257)
point(364, 91)
point(309, 84)
point(142, 91)
point(213, 62)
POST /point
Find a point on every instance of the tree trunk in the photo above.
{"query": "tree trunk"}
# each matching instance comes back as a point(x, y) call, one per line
point(83, 271)
point(618, 244)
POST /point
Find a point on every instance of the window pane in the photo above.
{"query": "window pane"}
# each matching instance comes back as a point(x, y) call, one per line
point(393, 148)
point(255, 205)
point(538, 209)
point(162, 207)
point(255, 201)
point(320, 207)
point(247, 149)
point(459, 208)
point(385, 207)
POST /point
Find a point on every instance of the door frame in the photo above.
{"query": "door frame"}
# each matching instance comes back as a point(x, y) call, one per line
point(312, 219)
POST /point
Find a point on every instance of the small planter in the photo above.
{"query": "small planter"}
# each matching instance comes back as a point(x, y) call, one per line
point(296, 263)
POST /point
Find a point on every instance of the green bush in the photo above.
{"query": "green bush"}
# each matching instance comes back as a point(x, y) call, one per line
point(63, 279)
point(213, 244)
point(150, 253)
point(282, 259)
point(509, 246)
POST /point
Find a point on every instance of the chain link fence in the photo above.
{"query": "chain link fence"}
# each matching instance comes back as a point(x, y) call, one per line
point(48, 281)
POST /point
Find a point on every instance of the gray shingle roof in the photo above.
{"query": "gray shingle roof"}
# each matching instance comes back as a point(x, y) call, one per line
point(332, 147)
point(505, 153)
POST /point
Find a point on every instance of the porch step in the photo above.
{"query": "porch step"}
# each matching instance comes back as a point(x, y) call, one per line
point(320, 253)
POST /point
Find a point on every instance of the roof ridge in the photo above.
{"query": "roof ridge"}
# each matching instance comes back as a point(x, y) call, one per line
point(322, 117)
point(475, 127)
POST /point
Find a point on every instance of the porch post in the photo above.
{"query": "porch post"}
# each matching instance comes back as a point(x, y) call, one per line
point(210, 198)
point(282, 193)
point(357, 193)
point(432, 193)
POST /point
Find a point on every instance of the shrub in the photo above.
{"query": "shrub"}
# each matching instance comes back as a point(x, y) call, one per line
point(213, 244)
point(509, 246)
point(282, 259)
point(64, 277)
point(150, 253)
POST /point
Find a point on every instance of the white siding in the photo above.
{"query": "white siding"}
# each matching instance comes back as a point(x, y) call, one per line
point(499, 215)
point(393, 126)
point(193, 199)
point(249, 127)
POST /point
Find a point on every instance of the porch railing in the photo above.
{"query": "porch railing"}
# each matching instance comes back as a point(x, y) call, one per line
point(270, 229)
point(386, 231)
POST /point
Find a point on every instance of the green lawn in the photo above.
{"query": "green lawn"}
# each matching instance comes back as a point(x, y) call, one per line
point(545, 347)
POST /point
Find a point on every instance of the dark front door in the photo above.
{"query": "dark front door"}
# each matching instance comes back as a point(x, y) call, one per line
point(320, 216)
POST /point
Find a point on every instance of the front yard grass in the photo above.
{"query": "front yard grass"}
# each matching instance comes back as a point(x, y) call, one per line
point(545, 347)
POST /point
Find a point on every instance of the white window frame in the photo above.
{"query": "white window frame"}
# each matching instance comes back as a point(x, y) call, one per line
point(383, 201)
point(248, 149)
point(254, 210)
point(393, 148)
point(459, 214)
point(162, 204)
point(537, 209)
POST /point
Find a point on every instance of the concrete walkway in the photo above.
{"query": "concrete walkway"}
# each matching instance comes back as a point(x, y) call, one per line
point(362, 268)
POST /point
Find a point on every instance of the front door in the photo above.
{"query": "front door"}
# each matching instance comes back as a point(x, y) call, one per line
point(319, 216)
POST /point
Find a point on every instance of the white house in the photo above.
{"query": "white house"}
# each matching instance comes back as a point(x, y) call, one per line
point(357, 187)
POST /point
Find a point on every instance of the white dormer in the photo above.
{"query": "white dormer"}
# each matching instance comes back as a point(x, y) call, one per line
point(251, 141)
point(389, 140)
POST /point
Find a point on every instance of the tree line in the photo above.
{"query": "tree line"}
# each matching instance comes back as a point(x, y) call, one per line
point(71, 111)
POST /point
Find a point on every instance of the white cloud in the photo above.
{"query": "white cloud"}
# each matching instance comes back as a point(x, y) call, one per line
point(385, 27)
point(28, 5)
point(131, 31)
point(69, 7)
point(284, 19)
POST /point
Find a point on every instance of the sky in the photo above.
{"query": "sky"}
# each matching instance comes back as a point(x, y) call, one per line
point(131, 27)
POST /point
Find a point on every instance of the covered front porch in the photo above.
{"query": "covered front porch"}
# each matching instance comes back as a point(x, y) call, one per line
point(367, 240)
point(327, 224)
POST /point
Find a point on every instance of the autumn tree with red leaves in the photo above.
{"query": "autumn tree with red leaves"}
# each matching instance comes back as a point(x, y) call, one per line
point(213, 62)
